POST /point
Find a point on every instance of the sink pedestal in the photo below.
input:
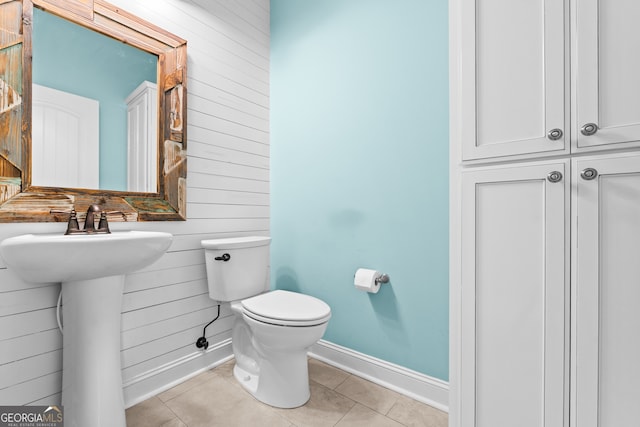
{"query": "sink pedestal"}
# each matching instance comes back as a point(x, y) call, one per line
point(91, 375)
point(91, 268)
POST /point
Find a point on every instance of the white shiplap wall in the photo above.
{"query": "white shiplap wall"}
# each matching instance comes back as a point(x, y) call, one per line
point(166, 305)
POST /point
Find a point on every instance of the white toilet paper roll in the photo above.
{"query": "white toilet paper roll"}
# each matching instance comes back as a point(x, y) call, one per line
point(365, 280)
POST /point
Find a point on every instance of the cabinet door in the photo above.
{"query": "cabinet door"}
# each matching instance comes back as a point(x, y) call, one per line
point(142, 138)
point(514, 321)
point(608, 72)
point(606, 294)
point(512, 77)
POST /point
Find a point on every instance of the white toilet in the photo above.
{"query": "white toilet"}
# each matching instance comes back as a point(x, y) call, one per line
point(272, 330)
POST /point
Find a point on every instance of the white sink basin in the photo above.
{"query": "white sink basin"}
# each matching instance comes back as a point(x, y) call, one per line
point(91, 269)
point(43, 258)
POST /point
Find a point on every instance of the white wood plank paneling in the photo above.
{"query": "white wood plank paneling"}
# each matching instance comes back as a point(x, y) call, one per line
point(166, 305)
point(203, 135)
point(22, 301)
point(22, 370)
point(163, 278)
point(145, 334)
point(229, 169)
point(29, 391)
point(238, 90)
point(131, 372)
point(31, 322)
point(213, 181)
point(22, 347)
point(224, 154)
point(213, 93)
point(225, 112)
point(245, 35)
point(201, 118)
point(229, 197)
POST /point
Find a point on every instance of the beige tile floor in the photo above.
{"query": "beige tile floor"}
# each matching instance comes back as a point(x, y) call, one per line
point(338, 398)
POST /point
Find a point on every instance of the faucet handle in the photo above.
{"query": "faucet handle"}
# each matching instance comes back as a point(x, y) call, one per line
point(103, 225)
point(72, 224)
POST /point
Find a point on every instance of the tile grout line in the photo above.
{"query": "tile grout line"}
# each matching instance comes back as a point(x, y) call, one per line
point(346, 413)
point(342, 382)
point(395, 400)
point(175, 416)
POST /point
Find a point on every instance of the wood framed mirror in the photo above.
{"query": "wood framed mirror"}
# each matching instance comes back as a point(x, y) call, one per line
point(22, 199)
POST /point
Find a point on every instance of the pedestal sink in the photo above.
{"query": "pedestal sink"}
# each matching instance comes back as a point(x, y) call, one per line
point(91, 268)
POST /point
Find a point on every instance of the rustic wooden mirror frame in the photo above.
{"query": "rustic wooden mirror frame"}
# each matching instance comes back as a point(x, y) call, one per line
point(22, 202)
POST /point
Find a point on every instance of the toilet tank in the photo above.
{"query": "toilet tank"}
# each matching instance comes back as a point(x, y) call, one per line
point(244, 272)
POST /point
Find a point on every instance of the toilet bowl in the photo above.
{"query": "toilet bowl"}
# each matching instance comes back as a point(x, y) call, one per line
point(273, 330)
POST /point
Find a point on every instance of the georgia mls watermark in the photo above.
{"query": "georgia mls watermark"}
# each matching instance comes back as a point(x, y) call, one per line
point(31, 416)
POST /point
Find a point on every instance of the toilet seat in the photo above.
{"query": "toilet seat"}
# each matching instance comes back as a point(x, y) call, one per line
point(286, 308)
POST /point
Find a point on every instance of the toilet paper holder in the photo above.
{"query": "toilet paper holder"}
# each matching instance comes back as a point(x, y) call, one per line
point(384, 278)
point(369, 280)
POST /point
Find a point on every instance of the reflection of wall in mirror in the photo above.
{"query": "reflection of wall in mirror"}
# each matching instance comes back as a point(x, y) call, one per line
point(96, 67)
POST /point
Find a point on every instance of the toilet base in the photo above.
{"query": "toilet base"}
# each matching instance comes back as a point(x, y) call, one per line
point(247, 380)
point(275, 389)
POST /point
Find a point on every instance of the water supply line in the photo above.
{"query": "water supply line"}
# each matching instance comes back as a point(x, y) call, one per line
point(202, 341)
point(58, 311)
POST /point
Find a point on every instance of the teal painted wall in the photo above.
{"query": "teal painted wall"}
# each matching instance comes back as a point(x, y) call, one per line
point(359, 169)
point(97, 67)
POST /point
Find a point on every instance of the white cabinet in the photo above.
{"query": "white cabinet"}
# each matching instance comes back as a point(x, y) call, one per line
point(142, 138)
point(545, 276)
point(549, 294)
point(537, 80)
point(607, 80)
point(514, 296)
point(513, 71)
point(606, 293)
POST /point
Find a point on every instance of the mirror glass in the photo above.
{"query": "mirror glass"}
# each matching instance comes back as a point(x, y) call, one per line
point(125, 133)
point(94, 109)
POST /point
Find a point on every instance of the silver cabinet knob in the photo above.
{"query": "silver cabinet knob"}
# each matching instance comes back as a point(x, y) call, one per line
point(589, 129)
point(555, 176)
point(589, 174)
point(555, 134)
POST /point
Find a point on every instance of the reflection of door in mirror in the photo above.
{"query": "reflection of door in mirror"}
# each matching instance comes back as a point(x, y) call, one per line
point(74, 59)
point(65, 138)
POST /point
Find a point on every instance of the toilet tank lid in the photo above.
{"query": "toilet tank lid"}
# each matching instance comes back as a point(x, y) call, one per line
point(236, 242)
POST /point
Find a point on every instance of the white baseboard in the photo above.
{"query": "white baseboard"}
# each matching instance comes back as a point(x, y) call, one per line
point(423, 388)
point(155, 381)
